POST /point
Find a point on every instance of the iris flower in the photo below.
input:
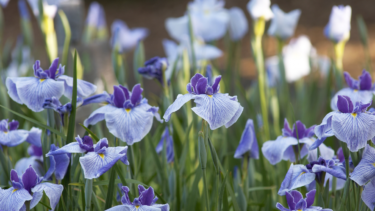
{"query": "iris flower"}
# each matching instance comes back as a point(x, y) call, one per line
point(358, 91)
point(154, 68)
point(365, 170)
point(96, 26)
point(283, 24)
point(209, 21)
point(168, 140)
point(338, 27)
point(216, 108)
point(10, 135)
point(248, 142)
point(286, 145)
point(145, 202)
point(29, 187)
point(32, 91)
point(296, 202)
point(4, 3)
point(368, 194)
point(128, 116)
point(260, 9)
point(350, 124)
point(124, 38)
point(99, 158)
point(238, 25)
point(301, 175)
point(49, 7)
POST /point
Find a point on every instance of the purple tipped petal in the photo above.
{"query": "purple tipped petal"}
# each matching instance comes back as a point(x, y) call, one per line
point(248, 142)
point(281, 207)
point(344, 104)
point(299, 129)
point(310, 197)
point(125, 198)
point(126, 92)
point(340, 155)
point(29, 179)
point(53, 68)
point(194, 80)
point(349, 80)
point(147, 196)
point(136, 94)
point(365, 81)
point(118, 97)
point(201, 86)
point(13, 125)
point(301, 205)
point(190, 88)
point(14, 176)
point(215, 85)
point(286, 130)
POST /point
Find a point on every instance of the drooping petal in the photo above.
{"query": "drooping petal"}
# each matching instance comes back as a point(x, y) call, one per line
point(281, 207)
point(84, 88)
point(98, 115)
point(12, 199)
point(274, 150)
point(53, 192)
point(248, 142)
point(13, 137)
point(355, 95)
point(297, 176)
point(354, 129)
point(235, 117)
point(238, 25)
point(211, 26)
point(62, 163)
point(24, 163)
point(11, 84)
point(124, 207)
point(368, 194)
point(310, 197)
point(177, 27)
point(161, 207)
point(69, 148)
point(325, 152)
point(147, 196)
point(177, 104)
point(217, 110)
point(365, 170)
point(325, 128)
point(95, 164)
point(335, 171)
point(34, 137)
point(129, 126)
point(292, 198)
point(33, 91)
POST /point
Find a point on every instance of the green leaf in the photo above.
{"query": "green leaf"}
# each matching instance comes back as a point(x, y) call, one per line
point(222, 189)
point(44, 204)
point(111, 188)
point(68, 35)
point(138, 60)
point(88, 193)
point(35, 122)
point(185, 150)
point(72, 117)
point(92, 134)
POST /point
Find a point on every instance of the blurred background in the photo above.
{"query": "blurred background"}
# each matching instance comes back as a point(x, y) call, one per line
point(152, 14)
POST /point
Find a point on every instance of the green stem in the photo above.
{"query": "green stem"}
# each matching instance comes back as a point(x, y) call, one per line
point(27, 204)
point(132, 173)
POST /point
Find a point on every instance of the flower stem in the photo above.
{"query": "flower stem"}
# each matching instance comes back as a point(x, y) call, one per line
point(27, 204)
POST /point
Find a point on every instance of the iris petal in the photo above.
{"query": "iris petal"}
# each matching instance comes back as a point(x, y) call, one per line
point(177, 27)
point(13, 200)
point(368, 194)
point(13, 137)
point(33, 91)
point(248, 142)
point(274, 150)
point(69, 148)
point(210, 27)
point(296, 177)
point(364, 96)
point(98, 115)
point(53, 192)
point(84, 88)
point(11, 84)
point(177, 104)
point(34, 137)
point(325, 128)
point(217, 110)
point(365, 170)
point(25, 163)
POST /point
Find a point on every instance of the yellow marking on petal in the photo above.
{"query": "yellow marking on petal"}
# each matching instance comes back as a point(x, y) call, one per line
point(299, 210)
point(356, 90)
point(210, 96)
point(101, 155)
point(206, 12)
point(42, 79)
point(302, 173)
point(128, 110)
point(137, 206)
point(14, 190)
point(373, 164)
point(5, 132)
point(354, 115)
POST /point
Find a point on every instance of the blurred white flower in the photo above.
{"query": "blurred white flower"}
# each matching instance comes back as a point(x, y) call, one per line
point(238, 25)
point(283, 24)
point(338, 27)
point(49, 7)
point(4, 3)
point(260, 9)
point(209, 21)
point(126, 38)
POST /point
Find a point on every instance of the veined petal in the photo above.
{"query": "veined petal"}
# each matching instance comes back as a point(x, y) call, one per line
point(297, 176)
point(364, 96)
point(177, 27)
point(13, 137)
point(248, 142)
point(335, 171)
point(177, 104)
point(217, 110)
point(355, 130)
point(162, 207)
point(12, 199)
point(210, 26)
point(36, 198)
point(368, 194)
point(84, 88)
point(98, 115)
point(62, 163)
point(325, 128)
point(11, 84)
point(235, 117)
point(274, 150)
point(281, 207)
point(95, 164)
point(24, 163)
point(69, 148)
point(53, 192)
point(123, 207)
point(325, 152)
point(129, 126)
point(34, 137)
point(148, 208)
point(365, 170)
point(34, 91)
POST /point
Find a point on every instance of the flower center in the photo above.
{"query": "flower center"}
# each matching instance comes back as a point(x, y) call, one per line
point(373, 164)
point(128, 110)
point(210, 96)
point(356, 90)
point(302, 173)
point(42, 79)
point(137, 206)
point(5, 132)
point(14, 190)
point(354, 115)
point(101, 155)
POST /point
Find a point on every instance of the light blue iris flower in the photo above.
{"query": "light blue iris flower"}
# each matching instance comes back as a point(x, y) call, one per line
point(11, 136)
point(338, 27)
point(209, 21)
point(260, 9)
point(32, 91)
point(49, 7)
point(365, 170)
point(29, 187)
point(238, 25)
point(216, 108)
point(4, 3)
point(145, 202)
point(96, 16)
point(99, 158)
point(168, 140)
point(283, 24)
point(350, 124)
point(128, 116)
point(286, 145)
point(124, 38)
point(248, 142)
point(368, 194)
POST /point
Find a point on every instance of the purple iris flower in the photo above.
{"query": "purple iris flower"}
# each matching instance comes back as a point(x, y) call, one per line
point(296, 202)
point(32, 91)
point(301, 175)
point(216, 108)
point(29, 187)
point(168, 139)
point(351, 124)
point(154, 68)
point(286, 146)
point(248, 143)
point(11, 136)
point(146, 201)
point(368, 194)
point(365, 170)
point(96, 16)
point(361, 90)
point(128, 116)
point(124, 38)
point(22, 7)
point(99, 158)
